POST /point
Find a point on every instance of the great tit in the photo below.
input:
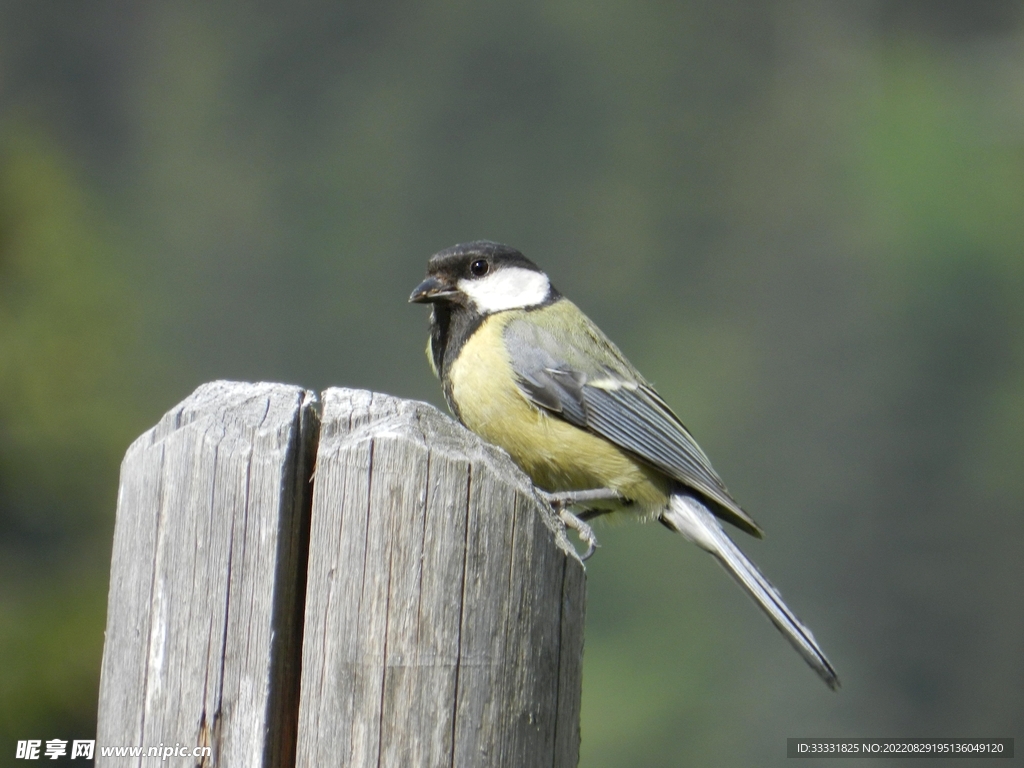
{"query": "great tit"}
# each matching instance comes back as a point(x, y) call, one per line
point(526, 370)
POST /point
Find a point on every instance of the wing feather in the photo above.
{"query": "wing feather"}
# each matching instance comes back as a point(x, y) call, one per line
point(564, 375)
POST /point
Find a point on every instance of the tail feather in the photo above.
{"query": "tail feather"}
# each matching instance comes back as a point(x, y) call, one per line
point(687, 515)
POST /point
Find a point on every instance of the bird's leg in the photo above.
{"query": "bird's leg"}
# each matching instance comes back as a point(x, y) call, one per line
point(574, 498)
point(561, 503)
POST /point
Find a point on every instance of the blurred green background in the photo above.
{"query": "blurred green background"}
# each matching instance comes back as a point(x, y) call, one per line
point(803, 221)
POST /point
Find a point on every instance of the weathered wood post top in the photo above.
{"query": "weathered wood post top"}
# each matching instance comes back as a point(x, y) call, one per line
point(350, 579)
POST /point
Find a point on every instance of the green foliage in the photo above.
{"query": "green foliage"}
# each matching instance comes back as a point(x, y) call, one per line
point(68, 408)
point(51, 638)
point(938, 160)
point(66, 335)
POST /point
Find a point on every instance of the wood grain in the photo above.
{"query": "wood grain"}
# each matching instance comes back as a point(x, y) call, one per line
point(429, 604)
point(207, 577)
point(444, 606)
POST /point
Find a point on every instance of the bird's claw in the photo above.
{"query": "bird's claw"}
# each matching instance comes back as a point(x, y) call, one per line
point(561, 503)
point(584, 531)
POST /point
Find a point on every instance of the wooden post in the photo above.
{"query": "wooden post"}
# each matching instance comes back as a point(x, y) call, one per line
point(203, 641)
point(444, 606)
point(434, 605)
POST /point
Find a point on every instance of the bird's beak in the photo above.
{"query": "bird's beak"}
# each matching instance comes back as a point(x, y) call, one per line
point(431, 290)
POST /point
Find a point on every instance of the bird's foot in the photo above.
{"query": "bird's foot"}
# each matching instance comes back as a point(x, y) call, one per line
point(561, 503)
point(584, 531)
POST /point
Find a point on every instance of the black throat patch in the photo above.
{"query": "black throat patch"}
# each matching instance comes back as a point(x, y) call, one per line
point(451, 326)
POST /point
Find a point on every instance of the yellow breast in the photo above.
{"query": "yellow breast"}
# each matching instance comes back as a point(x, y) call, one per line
point(555, 454)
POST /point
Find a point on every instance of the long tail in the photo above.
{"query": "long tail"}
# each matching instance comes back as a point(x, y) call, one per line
point(687, 515)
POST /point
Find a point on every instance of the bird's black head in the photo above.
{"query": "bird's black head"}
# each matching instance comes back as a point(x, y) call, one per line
point(484, 278)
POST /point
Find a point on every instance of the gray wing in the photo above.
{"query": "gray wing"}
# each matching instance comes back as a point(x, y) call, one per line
point(573, 376)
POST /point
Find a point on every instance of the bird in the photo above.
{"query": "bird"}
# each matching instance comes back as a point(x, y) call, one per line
point(522, 366)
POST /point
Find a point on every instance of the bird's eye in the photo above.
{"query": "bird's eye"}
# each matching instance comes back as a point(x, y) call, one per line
point(480, 267)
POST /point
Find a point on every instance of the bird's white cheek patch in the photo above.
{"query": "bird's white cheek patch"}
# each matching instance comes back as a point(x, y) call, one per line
point(509, 288)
